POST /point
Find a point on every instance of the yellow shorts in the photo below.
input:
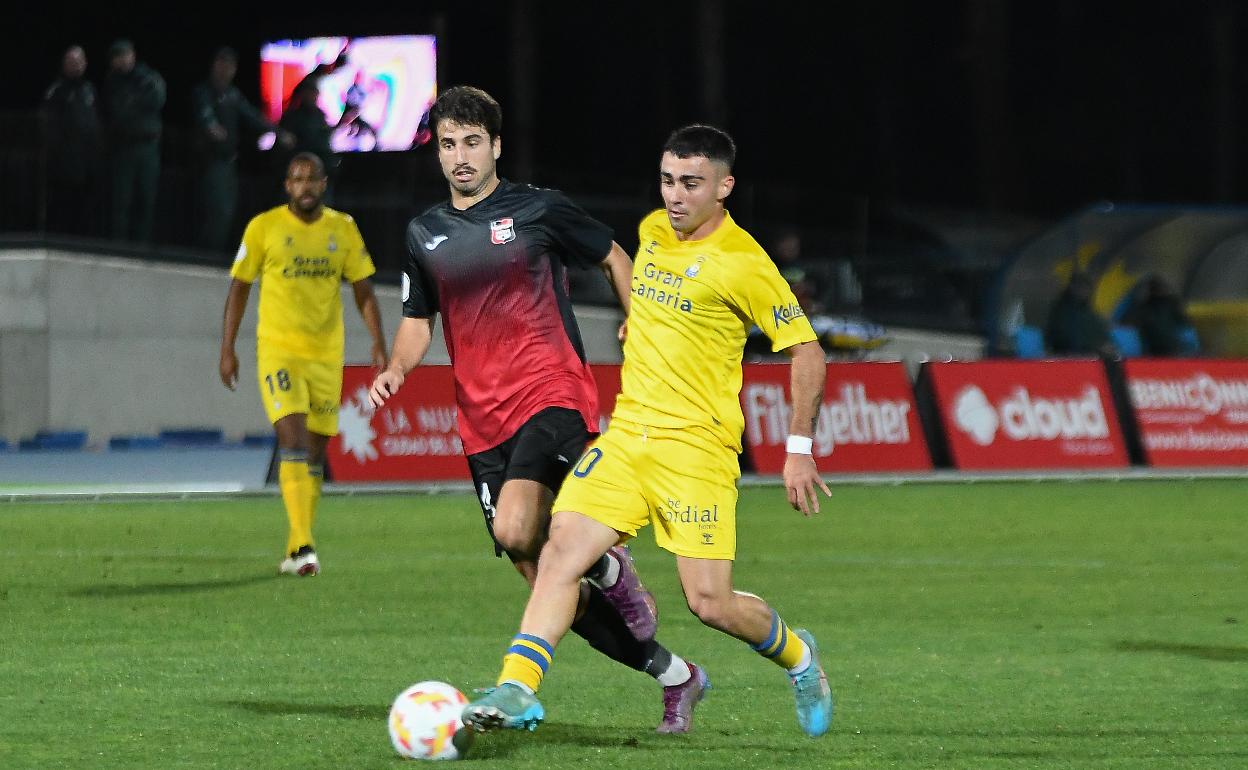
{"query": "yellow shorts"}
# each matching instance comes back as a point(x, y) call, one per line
point(683, 480)
point(291, 384)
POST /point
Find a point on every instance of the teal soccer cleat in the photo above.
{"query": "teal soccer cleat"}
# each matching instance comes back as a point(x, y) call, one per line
point(810, 688)
point(506, 707)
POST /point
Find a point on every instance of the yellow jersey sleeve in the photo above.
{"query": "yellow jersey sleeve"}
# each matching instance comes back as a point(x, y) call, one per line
point(249, 260)
point(358, 264)
point(764, 297)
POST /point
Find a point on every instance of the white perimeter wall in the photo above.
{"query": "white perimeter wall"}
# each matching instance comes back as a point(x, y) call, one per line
point(130, 347)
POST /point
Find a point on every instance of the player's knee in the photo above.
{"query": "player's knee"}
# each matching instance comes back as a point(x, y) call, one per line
point(517, 536)
point(711, 609)
point(559, 561)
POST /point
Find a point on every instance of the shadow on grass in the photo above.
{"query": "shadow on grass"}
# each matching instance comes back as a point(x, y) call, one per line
point(600, 736)
point(1052, 732)
point(503, 744)
point(498, 746)
point(114, 590)
point(1204, 652)
point(371, 712)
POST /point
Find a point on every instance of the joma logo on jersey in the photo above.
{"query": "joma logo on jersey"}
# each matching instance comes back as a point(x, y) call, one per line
point(502, 231)
point(786, 313)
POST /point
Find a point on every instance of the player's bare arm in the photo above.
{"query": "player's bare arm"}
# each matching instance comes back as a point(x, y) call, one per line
point(808, 371)
point(366, 303)
point(235, 303)
point(411, 342)
point(618, 268)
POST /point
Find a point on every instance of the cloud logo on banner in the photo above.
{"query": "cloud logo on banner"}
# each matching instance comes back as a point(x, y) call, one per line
point(975, 416)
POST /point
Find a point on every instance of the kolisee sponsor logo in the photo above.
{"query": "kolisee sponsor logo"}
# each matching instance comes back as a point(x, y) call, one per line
point(1024, 417)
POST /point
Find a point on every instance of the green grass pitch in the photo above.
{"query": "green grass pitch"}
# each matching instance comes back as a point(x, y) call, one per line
point(1027, 625)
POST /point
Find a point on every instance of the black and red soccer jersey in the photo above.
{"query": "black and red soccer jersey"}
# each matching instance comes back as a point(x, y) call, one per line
point(497, 272)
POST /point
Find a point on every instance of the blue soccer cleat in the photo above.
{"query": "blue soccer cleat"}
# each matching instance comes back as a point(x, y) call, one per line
point(506, 707)
point(810, 688)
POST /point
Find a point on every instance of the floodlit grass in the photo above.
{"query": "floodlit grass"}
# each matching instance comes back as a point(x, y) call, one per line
point(1033, 625)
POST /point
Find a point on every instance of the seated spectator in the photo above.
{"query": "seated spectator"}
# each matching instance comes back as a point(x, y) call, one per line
point(1159, 316)
point(1075, 328)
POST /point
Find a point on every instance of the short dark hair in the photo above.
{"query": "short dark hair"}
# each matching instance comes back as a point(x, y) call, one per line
point(707, 141)
point(308, 157)
point(119, 46)
point(467, 106)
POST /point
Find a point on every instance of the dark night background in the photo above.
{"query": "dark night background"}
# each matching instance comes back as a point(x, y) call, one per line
point(843, 112)
point(1032, 107)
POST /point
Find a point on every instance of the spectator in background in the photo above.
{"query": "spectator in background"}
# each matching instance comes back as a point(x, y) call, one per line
point(1159, 316)
point(220, 115)
point(804, 279)
point(134, 95)
point(305, 120)
point(1075, 328)
point(73, 142)
point(311, 132)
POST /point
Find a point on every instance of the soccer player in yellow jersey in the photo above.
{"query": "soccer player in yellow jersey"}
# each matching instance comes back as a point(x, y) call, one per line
point(669, 456)
point(301, 253)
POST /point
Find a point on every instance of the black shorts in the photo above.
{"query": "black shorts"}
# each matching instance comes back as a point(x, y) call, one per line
point(543, 450)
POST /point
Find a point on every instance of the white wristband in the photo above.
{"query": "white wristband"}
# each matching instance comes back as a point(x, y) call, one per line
point(799, 445)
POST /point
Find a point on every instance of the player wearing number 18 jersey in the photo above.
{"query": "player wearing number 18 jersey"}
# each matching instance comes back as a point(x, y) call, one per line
point(301, 253)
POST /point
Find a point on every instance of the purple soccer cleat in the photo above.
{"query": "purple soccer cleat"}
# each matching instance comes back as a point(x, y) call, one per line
point(631, 599)
point(679, 700)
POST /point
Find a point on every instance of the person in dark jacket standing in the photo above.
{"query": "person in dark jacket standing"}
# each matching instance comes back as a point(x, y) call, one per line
point(134, 95)
point(221, 117)
point(73, 144)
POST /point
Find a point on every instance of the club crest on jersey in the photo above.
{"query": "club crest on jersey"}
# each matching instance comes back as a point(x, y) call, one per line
point(333, 244)
point(502, 231)
point(693, 270)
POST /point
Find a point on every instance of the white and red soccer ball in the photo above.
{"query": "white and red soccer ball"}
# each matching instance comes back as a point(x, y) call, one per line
point(425, 722)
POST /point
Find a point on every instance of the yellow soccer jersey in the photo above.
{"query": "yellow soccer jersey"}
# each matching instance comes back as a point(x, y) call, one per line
point(301, 267)
point(693, 304)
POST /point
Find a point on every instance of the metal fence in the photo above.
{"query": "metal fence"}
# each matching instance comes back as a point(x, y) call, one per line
point(875, 263)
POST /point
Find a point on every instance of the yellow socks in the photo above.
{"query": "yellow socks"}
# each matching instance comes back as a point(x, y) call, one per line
point(782, 645)
point(297, 494)
point(526, 661)
point(317, 474)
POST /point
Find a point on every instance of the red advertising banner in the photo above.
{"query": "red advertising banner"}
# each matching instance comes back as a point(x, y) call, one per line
point(1190, 412)
point(414, 437)
point(868, 420)
point(1027, 414)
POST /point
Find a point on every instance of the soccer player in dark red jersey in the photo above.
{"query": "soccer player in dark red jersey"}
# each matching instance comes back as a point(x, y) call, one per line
point(493, 261)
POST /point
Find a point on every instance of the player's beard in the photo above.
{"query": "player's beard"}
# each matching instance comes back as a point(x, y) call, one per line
point(308, 203)
point(474, 185)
